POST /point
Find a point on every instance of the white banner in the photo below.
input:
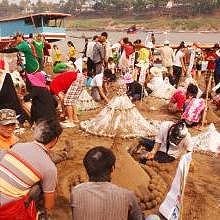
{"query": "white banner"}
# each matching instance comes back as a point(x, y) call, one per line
point(171, 206)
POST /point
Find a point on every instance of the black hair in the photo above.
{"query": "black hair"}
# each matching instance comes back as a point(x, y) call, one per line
point(174, 133)
point(99, 162)
point(125, 40)
point(104, 34)
point(137, 41)
point(47, 130)
point(110, 59)
point(95, 37)
point(182, 45)
point(192, 90)
point(109, 75)
point(84, 70)
point(71, 43)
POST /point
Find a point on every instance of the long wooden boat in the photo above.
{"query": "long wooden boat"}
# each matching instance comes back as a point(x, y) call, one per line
point(49, 24)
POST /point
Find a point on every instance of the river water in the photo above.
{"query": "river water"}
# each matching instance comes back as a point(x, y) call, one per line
point(115, 36)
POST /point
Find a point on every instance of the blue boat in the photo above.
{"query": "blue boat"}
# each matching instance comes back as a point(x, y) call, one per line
point(49, 24)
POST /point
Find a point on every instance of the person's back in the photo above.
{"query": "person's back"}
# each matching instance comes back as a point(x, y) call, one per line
point(62, 82)
point(98, 53)
point(101, 200)
point(166, 53)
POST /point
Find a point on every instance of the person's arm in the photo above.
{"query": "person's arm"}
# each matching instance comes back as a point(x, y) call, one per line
point(10, 50)
point(134, 212)
point(183, 64)
point(49, 201)
point(151, 155)
point(102, 94)
point(49, 183)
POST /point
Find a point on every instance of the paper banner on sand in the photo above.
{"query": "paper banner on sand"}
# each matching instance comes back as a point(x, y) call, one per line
point(171, 206)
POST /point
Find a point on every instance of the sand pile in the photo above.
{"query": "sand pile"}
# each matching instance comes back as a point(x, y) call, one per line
point(120, 116)
point(85, 102)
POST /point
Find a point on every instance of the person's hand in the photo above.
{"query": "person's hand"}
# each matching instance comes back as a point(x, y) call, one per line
point(150, 155)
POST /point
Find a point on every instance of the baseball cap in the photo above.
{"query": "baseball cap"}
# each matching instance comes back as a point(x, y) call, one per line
point(7, 116)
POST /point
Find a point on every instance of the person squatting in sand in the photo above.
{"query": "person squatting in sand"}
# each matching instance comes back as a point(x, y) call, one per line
point(172, 140)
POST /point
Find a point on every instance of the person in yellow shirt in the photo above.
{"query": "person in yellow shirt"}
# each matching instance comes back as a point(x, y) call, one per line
point(8, 123)
point(143, 55)
point(72, 51)
point(57, 56)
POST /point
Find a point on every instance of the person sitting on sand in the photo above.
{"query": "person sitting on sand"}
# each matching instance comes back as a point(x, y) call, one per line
point(194, 107)
point(99, 198)
point(172, 140)
point(8, 123)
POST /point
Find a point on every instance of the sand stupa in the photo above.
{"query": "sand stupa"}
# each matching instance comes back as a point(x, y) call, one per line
point(208, 141)
point(85, 101)
point(164, 90)
point(120, 116)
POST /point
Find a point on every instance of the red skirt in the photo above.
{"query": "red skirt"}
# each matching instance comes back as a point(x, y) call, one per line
point(16, 210)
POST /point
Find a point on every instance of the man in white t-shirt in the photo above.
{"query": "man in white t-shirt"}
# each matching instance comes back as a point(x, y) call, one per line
point(99, 85)
point(172, 140)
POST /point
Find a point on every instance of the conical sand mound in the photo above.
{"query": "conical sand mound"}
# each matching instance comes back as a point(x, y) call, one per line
point(165, 91)
point(85, 102)
point(121, 117)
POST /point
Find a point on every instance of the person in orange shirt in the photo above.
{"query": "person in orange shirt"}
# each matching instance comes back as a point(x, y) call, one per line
point(8, 123)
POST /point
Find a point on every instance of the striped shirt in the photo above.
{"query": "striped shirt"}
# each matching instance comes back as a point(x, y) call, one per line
point(23, 166)
point(104, 201)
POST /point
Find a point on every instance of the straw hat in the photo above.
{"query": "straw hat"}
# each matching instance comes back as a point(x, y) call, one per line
point(37, 79)
point(155, 71)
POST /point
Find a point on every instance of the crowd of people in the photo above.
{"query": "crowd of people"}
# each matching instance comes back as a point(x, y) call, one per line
point(27, 170)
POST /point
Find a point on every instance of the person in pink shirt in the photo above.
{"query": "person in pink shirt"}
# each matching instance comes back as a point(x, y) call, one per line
point(194, 107)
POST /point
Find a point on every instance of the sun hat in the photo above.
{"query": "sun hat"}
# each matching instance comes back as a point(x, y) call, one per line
point(127, 78)
point(37, 79)
point(7, 116)
point(155, 71)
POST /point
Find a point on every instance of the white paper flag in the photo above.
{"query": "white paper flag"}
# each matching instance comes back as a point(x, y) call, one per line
point(171, 206)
